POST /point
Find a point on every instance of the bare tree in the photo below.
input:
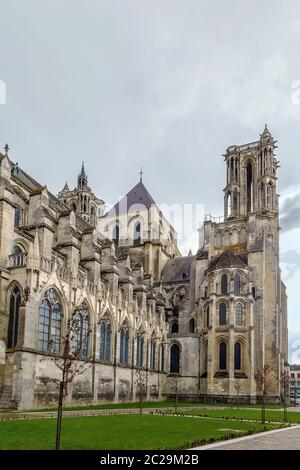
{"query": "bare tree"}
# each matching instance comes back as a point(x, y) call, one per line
point(69, 364)
point(238, 388)
point(140, 382)
point(175, 387)
point(265, 378)
point(284, 381)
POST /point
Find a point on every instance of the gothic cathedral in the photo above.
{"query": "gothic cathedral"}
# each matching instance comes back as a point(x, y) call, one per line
point(209, 320)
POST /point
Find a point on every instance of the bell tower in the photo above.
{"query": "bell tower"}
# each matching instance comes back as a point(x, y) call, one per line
point(251, 178)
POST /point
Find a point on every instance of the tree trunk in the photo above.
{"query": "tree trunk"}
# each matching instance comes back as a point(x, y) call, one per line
point(141, 401)
point(263, 409)
point(59, 415)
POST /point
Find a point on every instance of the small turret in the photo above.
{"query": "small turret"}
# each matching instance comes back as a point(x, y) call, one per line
point(82, 178)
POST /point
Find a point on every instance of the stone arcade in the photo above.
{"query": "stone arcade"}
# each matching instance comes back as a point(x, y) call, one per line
point(208, 319)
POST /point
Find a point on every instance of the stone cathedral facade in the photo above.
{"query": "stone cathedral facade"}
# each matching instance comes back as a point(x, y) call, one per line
point(208, 319)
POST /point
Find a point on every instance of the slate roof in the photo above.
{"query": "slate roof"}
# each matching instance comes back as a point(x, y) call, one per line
point(227, 259)
point(138, 195)
point(177, 269)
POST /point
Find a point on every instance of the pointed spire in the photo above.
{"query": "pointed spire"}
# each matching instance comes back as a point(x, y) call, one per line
point(66, 187)
point(82, 170)
point(82, 177)
point(141, 175)
point(266, 135)
point(190, 253)
point(6, 149)
point(266, 130)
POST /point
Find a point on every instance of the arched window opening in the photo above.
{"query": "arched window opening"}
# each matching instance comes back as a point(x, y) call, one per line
point(237, 284)
point(124, 345)
point(137, 234)
point(265, 161)
point(174, 327)
point(17, 257)
point(237, 356)
point(50, 320)
point(236, 170)
point(222, 314)
point(239, 314)
point(18, 216)
point(105, 340)
point(270, 196)
point(81, 318)
point(175, 359)
point(115, 235)
point(13, 321)
point(152, 353)
point(224, 284)
point(140, 351)
point(207, 317)
point(192, 325)
point(223, 356)
point(249, 172)
point(162, 357)
point(235, 203)
point(229, 206)
point(232, 169)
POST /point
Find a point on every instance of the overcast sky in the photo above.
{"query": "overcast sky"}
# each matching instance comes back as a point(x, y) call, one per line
point(163, 84)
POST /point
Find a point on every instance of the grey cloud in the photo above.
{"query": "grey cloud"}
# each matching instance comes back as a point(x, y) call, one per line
point(290, 213)
point(291, 260)
point(163, 84)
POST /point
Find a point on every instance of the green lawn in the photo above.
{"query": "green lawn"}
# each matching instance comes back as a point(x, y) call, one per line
point(130, 432)
point(271, 415)
point(148, 404)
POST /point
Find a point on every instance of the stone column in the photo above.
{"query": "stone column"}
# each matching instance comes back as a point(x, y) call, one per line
point(252, 354)
point(211, 347)
point(231, 390)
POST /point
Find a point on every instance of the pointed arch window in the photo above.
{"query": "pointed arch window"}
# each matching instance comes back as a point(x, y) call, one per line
point(237, 284)
point(207, 320)
point(174, 327)
point(82, 333)
point(13, 321)
point(192, 325)
point(116, 235)
point(223, 356)
point(175, 359)
point(50, 321)
point(140, 351)
point(105, 340)
point(124, 344)
point(224, 284)
point(249, 174)
point(239, 314)
point(18, 216)
point(152, 352)
point(222, 314)
point(270, 196)
point(162, 357)
point(17, 257)
point(237, 356)
point(137, 234)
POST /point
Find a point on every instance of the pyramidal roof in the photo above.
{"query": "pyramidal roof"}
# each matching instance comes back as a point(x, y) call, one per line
point(227, 259)
point(138, 195)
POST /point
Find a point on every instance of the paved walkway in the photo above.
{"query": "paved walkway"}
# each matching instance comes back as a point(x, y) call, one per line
point(279, 439)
